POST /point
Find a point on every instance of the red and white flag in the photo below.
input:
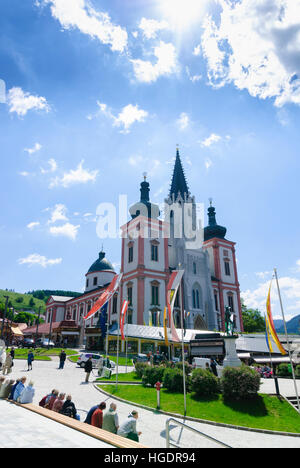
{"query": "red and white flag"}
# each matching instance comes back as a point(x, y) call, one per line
point(105, 296)
point(173, 286)
point(122, 318)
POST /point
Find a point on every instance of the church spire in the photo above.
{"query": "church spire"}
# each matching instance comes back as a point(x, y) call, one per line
point(179, 184)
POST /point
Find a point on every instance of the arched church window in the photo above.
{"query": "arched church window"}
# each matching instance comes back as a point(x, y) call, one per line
point(230, 301)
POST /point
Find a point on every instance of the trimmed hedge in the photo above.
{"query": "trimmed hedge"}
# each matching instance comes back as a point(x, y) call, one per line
point(173, 380)
point(283, 370)
point(297, 372)
point(205, 383)
point(152, 375)
point(241, 383)
point(140, 368)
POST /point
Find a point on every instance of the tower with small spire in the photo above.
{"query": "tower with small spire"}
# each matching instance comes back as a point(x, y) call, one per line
point(144, 262)
point(186, 252)
point(224, 275)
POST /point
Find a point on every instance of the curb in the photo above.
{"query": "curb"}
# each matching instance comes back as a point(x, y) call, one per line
point(203, 421)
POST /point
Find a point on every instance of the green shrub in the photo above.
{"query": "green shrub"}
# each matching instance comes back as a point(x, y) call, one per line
point(173, 380)
point(283, 370)
point(205, 383)
point(188, 367)
point(241, 383)
point(140, 368)
point(297, 371)
point(151, 375)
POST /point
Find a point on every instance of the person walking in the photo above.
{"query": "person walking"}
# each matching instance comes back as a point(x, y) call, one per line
point(213, 366)
point(27, 394)
point(8, 364)
point(30, 359)
point(88, 369)
point(111, 419)
point(12, 353)
point(62, 359)
point(97, 418)
point(128, 427)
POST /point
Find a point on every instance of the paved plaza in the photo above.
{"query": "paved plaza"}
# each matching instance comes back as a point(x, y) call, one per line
point(25, 429)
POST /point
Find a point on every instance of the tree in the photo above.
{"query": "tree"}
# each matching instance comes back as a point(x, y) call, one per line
point(253, 320)
point(31, 302)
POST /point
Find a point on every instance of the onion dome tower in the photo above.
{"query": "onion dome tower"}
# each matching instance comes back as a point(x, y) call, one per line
point(213, 229)
point(100, 273)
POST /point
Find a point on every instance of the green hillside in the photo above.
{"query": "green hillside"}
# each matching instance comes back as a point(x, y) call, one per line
point(21, 301)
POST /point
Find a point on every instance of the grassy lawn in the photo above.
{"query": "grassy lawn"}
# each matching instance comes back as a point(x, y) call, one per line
point(264, 412)
point(129, 377)
point(41, 354)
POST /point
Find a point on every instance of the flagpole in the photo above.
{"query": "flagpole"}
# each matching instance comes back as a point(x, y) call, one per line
point(287, 340)
point(118, 340)
point(126, 342)
point(182, 345)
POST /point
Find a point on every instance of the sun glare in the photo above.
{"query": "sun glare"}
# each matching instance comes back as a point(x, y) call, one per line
point(182, 13)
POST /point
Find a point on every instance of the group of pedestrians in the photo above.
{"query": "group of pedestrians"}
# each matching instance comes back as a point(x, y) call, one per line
point(60, 403)
point(16, 390)
point(109, 421)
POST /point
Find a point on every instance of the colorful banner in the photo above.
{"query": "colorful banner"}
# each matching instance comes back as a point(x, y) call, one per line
point(268, 336)
point(166, 326)
point(172, 290)
point(103, 320)
point(105, 296)
point(150, 319)
point(122, 318)
point(270, 324)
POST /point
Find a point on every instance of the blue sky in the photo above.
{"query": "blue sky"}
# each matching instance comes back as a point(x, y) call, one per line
point(98, 92)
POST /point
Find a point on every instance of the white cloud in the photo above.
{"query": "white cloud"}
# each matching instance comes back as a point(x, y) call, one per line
point(135, 160)
point(290, 291)
point(208, 163)
point(21, 102)
point(66, 230)
point(36, 259)
point(255, 45)
point(197, 50)
point(126, 118)
point(165, 65)
point(81, 15)
point(52, 167)
point(264, 274)
point(58, 213)
point(24, 174)
point(212, 139)
point(33, 225)
point(37, 147)
point(151, 27)
point(183, 121)
point(75, 176)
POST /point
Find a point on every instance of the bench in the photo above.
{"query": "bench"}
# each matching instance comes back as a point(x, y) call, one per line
point(105, 436)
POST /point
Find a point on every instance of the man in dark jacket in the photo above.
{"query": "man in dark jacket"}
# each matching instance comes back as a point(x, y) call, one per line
point(88, 369)
point(62, 359)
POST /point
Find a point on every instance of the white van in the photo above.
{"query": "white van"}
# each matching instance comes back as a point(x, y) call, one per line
point(200, 363)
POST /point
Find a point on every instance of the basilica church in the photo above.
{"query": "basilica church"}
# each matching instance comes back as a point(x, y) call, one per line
point(154, 245)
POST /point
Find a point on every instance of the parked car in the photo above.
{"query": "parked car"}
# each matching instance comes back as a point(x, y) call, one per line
point(200, 363)
point(140, 358)
point(45, 343)
point(83, 358)
point(28, 343)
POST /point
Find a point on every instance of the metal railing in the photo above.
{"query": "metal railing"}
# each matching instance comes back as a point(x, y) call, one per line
point(185, 426)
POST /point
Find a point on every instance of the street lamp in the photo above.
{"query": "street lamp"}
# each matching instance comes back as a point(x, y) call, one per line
point(4, 316)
